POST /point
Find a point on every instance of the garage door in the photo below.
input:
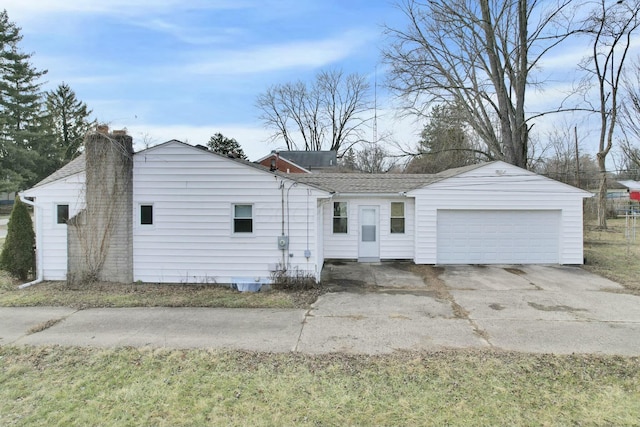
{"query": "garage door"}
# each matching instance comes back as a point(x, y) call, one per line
point(498, 237)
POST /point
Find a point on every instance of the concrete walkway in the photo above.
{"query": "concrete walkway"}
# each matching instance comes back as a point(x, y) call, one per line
point(559, 310)
point(3, 227)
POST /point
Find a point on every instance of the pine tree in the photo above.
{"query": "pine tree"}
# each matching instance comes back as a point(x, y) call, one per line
point(348, 162)
point(444, 143)
point(17, 256)
point(226, 146)
point(69, 118)
point(22, 124)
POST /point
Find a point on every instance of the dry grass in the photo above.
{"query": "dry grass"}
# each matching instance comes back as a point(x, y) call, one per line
point(145, 295)
point(75, 386)
point(610, 254)
point(44, 325)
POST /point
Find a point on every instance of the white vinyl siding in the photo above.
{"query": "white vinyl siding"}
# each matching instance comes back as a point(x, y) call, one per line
point(66, 191)
point(392, 245)
point(192, 239)
point(499, 186)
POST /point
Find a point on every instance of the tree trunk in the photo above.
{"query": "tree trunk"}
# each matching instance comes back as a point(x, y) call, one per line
point(602, 194)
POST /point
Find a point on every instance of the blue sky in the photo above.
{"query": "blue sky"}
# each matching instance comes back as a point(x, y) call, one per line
point(187, 69)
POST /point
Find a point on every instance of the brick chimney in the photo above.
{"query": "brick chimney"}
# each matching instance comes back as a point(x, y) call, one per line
point(100, 242)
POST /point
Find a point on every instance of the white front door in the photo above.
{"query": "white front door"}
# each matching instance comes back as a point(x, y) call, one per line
point(369, 246)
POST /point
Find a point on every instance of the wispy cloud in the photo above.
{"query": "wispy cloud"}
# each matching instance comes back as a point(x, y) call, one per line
point(187, 34)
point(37, 8)
point(299, 54)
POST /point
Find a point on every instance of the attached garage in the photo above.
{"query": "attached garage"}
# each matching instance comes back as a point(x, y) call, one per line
point(497, 213)
point(498, 236)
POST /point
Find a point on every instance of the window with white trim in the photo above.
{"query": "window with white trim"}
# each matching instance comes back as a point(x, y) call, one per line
point(242, 218)
point(340, 218)
point(146, 214)
point(62, 214)
point(397, 218)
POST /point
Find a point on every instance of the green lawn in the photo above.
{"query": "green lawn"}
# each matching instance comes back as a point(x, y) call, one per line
point(54, 386)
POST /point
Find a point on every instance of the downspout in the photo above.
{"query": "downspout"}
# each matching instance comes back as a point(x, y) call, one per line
point(288, 225)
point(284, 260)
point(39, 269)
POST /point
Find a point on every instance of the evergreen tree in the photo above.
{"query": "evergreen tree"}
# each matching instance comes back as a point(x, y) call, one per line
point(226, 146)
point(69, 119)
point(348, 162)
point(17, 256)
point(444, 143)
point(22, 122)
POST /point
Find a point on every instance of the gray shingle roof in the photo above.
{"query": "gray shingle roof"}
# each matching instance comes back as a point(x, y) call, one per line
point(73, 167)
point(331, 182)
point(377, 183)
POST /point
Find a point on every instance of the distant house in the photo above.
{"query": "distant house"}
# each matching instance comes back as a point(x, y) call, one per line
point(633, 189)
point(177, 213)
point(300, 161)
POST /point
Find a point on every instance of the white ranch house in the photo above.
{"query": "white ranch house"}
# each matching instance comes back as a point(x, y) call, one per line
point(187, 215)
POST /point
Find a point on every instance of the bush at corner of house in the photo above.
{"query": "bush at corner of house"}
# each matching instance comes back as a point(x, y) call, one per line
point(18, 255)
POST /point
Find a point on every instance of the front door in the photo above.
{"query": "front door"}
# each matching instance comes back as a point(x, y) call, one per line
point(369, 246)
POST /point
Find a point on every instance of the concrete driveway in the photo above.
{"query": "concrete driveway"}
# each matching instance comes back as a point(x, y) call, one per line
point(549, 309)
point(375, 309)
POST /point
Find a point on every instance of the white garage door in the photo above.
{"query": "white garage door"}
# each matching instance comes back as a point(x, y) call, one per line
point(498, 237)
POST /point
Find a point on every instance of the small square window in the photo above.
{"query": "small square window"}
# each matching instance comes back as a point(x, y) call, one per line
point(62, 214)
point(146, 214)
point(397, 217)
point(340, 218)
point(243, 218)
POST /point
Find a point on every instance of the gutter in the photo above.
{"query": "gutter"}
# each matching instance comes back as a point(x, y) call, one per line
point(39, 269)
point(371, 195)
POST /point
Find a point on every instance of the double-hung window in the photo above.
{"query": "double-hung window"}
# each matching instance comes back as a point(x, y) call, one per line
point(242, 218)
point(397, 217)
point(340, 218)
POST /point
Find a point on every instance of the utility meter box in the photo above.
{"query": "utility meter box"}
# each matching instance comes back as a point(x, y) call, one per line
point(283, 242)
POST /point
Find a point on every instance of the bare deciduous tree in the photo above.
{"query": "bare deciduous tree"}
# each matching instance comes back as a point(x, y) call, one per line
point(478, 55)
point(628, 161)
point(374, 159)
point(564, 159)
point(610, 25)
point(329, 114)
point(630, 123)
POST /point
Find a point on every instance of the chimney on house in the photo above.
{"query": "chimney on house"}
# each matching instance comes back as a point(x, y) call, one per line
point(101, 245)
